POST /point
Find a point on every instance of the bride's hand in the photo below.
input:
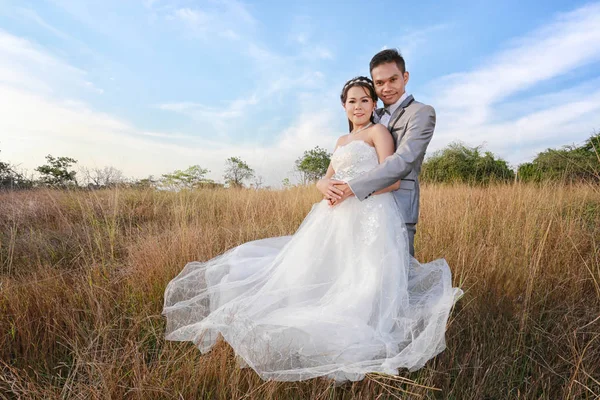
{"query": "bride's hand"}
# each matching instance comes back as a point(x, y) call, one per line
point(346, 192)
point(329, 190)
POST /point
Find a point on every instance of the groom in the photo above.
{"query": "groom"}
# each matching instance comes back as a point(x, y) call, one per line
point(411, 124)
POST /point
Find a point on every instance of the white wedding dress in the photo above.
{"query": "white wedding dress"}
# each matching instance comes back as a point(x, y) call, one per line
point(340, 298)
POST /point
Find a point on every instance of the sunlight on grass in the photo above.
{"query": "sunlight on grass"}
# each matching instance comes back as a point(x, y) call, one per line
point(83, 274)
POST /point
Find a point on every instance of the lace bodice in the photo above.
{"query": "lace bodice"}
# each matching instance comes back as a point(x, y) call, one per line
point(353, 159)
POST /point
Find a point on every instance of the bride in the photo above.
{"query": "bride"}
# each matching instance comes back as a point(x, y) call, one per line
point(340, 298)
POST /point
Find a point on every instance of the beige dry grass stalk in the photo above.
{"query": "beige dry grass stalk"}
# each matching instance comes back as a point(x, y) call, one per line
point(83, 274)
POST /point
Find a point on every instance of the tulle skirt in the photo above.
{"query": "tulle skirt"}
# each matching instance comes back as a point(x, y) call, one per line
point(340, 298)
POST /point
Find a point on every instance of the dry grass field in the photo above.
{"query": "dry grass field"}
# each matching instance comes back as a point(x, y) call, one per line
point(82, 276)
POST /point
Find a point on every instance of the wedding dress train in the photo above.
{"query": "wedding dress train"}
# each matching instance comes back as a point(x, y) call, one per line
point(340, 298)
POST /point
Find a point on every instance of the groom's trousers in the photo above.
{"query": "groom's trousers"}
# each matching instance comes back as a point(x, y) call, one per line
point(411, 229)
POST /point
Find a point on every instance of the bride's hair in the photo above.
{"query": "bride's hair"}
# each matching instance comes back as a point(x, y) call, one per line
point(363, 82)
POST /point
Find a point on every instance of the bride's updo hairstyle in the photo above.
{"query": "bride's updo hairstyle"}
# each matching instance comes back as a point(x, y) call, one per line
point(364, 83)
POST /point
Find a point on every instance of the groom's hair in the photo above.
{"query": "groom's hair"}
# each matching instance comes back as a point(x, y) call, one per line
point(387, 56)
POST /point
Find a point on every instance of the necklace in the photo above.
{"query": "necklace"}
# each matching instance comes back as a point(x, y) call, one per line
point(362, 129)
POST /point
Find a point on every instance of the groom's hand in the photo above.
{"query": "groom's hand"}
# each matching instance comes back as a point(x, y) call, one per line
point(346, 192)
point(329, 188)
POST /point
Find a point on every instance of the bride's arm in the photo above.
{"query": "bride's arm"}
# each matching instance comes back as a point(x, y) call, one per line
point(384, 145)
point(330, 171)
point(326, 185)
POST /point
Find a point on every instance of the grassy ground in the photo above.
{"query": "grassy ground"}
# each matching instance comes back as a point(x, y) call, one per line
point(82, 276)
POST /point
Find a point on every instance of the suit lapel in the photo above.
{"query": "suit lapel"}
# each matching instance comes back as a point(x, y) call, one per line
point(399, 111)
point(376, 117)
point(397, 114)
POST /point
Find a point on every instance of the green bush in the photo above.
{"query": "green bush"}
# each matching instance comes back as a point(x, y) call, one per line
point(460, 163)
point(568, 164)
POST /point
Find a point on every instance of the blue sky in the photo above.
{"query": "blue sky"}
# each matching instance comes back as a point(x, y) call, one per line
point(151, 86)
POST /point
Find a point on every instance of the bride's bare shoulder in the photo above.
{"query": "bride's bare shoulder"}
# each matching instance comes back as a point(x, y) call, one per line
point(342, 140)
point(379, 129)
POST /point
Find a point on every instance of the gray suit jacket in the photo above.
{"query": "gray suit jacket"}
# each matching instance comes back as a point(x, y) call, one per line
point(412, 127)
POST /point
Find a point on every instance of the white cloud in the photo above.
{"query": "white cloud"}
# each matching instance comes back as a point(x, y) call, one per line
point(25, 65)
point(201, 112)
point(277, 77)
point(322, 53)
point(227, 19)
point(84, 12)
point(302, 37)
point(42, 113)
point(475, 106)
point(150, 3)
point(29, 14)
point(39, 120)
point(35, 126)
point(415, 41)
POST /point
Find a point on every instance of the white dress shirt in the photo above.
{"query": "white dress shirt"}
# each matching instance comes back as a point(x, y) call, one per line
point(385, 120)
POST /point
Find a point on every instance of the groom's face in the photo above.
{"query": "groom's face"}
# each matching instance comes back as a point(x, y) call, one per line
point(390, 82)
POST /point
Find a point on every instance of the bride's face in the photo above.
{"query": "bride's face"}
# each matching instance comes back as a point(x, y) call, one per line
point(359, 105)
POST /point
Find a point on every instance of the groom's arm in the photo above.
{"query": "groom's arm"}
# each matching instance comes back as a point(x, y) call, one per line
point(411, 148)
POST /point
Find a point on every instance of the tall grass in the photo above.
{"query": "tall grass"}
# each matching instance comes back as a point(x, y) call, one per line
point(83, 275)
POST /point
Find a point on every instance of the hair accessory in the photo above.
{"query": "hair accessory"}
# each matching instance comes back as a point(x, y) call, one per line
point(359, 79)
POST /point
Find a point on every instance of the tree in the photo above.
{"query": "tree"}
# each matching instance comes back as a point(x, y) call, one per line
point(313, 164)
point(192, 177)
point(102, 177)
point(6, 175)
point(286, 183)
point(592, 145)
point(10, 178)
point(569, 164)
point(237, 171)
point(56, 172)
point(144, 183)
point(460, 163)
point(258, 182)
